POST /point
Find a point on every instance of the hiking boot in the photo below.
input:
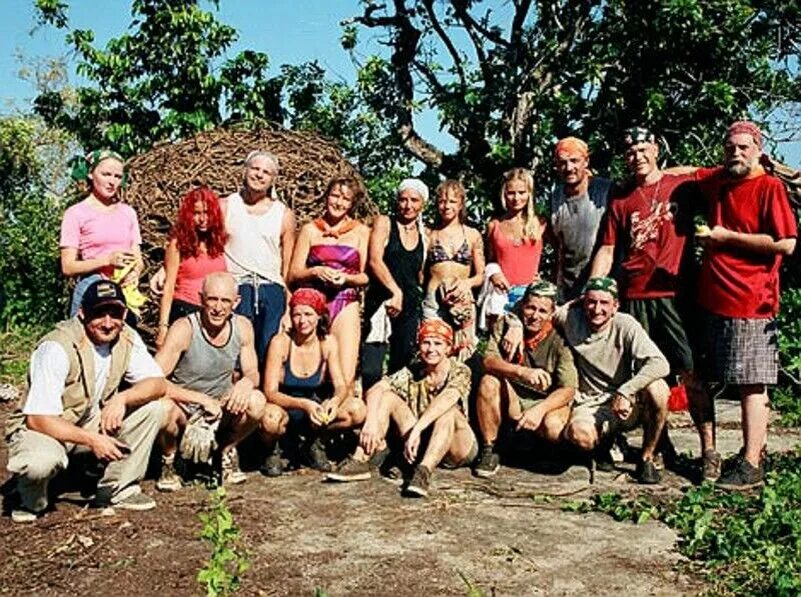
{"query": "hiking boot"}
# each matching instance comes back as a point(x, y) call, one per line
point(231, 473)
point(316, 457)
point(418, 486)
point(350, 469)
point(23, 515)
point(710, 466)
point(488, 462)
point(648, 474)
point(273, 466)
point(741, 476)
point(169, 480)
point(604, 461)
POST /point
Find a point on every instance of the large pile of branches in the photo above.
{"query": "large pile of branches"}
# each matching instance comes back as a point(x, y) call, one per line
point(158, 179)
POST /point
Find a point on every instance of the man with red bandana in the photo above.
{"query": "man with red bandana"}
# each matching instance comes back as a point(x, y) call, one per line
point(427, 402)
point(750, 228)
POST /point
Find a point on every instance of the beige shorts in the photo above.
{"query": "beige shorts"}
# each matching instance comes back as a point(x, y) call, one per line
point(598, 411)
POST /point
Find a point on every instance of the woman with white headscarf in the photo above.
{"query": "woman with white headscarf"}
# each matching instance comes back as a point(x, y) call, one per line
point(392, 305)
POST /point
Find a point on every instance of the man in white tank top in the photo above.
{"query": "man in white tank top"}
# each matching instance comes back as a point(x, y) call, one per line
point(261, 237)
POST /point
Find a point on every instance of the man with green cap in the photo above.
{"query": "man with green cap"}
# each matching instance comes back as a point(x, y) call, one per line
point(531, 388)
point(620, 372)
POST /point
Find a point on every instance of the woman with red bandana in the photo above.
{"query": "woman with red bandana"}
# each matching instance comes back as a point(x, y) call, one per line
point(427, 402)
point(330, 255)
point(195, 250)
point(298, 363)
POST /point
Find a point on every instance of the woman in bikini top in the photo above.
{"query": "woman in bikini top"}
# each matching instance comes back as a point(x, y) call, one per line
point(330, 255)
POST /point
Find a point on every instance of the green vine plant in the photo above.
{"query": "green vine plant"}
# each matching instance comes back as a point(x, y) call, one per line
point(229, 560)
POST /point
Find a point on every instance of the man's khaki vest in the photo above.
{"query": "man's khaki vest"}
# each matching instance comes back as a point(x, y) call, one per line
point(80, 384)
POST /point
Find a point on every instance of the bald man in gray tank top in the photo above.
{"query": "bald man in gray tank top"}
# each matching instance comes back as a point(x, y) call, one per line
point(199, 357)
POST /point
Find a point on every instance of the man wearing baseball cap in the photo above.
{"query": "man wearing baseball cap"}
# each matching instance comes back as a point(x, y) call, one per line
point(73, 404)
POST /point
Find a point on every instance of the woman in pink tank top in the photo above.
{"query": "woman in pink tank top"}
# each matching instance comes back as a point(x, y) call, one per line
point(195, 250)
point(514, 246)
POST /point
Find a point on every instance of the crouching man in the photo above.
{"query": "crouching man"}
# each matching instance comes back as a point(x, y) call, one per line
point(427, 402)
point(621, 373)
point(200, 355)
point(532, 388)
point(73, 404)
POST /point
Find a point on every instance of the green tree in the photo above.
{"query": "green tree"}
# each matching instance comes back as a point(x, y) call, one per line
point(166, 78)
point(507, 79)
point(32, 289)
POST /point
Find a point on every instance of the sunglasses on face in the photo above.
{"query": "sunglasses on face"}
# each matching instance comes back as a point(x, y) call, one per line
point(113, 311)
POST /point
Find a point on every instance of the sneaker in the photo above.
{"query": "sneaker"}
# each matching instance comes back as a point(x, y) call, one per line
point(135, 501)
point(710, 466)
point(648, 474)
point(23, 516)
point(350, 470)
point(273, 466)
point(488, 462)
point(231, 473)
point(316, 457)
point(420, 482)
point(741, 476)
point(169, 480)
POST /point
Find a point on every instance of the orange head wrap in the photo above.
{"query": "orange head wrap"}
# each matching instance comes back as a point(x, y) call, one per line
point(434, 327)
point(572, 146)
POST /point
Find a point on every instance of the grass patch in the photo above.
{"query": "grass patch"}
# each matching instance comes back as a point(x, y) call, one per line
point(17, 343)
point(742, 543)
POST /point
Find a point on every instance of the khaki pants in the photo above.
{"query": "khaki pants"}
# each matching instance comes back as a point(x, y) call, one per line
point(35, 458)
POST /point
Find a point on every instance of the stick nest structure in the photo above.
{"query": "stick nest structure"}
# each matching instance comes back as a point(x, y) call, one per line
point(158, 179)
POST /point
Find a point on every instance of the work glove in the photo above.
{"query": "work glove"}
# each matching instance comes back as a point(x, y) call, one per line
point(200, 439)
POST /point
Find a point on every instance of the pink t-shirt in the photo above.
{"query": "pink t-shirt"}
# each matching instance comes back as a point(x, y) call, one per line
point(94, 232)
point(191, 272)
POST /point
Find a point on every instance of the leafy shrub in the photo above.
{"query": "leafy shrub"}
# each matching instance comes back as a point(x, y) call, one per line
point(743, 543)
point(785, 398)
point(222, 574)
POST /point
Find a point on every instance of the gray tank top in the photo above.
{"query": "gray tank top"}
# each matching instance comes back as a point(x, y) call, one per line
point(204, 367)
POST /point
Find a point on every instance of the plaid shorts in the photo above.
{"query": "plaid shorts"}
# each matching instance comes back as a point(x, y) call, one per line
point(744, 351)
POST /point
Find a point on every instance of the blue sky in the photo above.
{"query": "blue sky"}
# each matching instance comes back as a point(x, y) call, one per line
point(289, 31)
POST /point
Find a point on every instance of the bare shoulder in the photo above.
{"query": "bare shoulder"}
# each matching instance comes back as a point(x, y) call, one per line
point(243, 325)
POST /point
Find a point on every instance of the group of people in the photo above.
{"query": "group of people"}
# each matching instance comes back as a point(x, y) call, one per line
point(261, 329)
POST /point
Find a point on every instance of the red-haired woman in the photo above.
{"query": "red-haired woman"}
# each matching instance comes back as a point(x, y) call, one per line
point(195, 250)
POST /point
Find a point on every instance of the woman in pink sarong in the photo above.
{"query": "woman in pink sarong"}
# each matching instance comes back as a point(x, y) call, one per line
point(330, 255)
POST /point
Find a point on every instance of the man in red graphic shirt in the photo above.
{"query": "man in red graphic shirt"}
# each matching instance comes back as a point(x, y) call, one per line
point(650, 221)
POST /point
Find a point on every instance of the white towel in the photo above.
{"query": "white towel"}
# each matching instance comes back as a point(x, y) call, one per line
point(491, 301)
point(380, 326)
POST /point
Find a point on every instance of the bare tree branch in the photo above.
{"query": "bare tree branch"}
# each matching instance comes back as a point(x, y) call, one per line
point(447, 42)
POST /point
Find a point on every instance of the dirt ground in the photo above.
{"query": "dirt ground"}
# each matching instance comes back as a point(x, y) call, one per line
point(507, 536)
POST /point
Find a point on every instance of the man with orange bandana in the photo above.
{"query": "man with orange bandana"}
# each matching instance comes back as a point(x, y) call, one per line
point(577, 207)
point(427, 402)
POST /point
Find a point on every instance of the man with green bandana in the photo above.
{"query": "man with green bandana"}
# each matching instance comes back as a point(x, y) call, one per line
point(532, 388)
point(621, 373)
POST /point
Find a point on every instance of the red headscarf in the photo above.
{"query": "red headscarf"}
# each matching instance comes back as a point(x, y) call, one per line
point(436, 328)
point(309, 297)
point(745, 127)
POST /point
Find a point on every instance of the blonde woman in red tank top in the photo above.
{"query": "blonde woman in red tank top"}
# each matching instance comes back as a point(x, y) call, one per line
point(514, 246)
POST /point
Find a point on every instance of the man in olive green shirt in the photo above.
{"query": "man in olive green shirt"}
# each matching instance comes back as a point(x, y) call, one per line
point(532, 387)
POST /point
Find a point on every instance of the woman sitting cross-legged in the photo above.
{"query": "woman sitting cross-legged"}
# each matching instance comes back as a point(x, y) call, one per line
point(298, 364)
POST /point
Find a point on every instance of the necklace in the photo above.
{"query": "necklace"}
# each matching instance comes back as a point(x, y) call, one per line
point(654, 196)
